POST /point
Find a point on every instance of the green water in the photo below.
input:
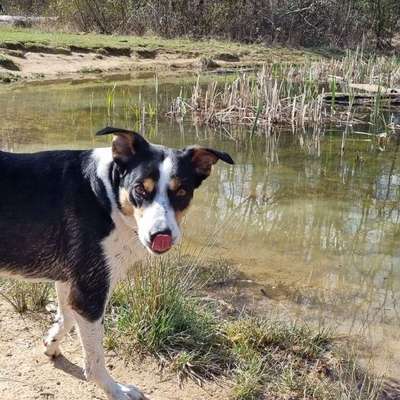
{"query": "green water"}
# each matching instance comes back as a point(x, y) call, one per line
point(319, 232)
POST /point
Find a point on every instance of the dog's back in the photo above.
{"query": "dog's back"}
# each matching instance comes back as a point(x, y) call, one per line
point(43, 197)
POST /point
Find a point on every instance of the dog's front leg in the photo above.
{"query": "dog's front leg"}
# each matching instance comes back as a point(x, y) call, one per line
point(91, 334)
point(63, 323)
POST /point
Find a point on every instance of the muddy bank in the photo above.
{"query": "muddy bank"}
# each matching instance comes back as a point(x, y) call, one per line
point(37, 62)
point(38, 54)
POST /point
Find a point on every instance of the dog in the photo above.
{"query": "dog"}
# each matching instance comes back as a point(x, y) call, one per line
point(80, 218)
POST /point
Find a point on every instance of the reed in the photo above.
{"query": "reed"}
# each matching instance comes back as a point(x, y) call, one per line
point(110, 102)
point(290, 94)
point(256, 101)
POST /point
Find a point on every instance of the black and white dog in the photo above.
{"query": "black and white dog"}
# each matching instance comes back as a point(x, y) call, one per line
point(81, 218)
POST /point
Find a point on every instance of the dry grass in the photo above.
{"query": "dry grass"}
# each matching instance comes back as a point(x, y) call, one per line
point(290, 95)
point(24, 296)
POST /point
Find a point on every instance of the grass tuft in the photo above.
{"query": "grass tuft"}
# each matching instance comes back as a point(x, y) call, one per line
point(159, 311)
point(261, 334)
point(24, 296)
point(249, 375)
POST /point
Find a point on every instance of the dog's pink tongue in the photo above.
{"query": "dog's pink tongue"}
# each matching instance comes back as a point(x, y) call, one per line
point(161, 243)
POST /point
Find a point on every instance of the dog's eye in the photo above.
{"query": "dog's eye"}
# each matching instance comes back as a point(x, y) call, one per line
point(140, 190)
point(181, 192)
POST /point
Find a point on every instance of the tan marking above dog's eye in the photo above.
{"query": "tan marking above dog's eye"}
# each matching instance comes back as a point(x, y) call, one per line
point(149, 185)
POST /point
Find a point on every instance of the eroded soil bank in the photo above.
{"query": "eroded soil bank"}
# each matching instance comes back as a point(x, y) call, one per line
point(27, 54)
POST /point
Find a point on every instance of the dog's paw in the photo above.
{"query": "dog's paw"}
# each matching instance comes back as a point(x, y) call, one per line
point(52, 348)
point(126, 392)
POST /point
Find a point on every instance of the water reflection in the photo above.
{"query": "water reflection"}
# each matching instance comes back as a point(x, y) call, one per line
point(315, 213)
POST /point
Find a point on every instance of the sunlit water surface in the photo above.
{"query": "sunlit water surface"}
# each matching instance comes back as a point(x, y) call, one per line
point(319, 230)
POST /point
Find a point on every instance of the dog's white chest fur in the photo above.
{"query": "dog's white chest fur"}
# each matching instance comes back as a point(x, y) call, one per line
point(121, 249)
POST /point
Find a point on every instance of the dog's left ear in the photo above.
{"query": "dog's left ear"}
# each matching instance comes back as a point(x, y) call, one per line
point(204, 158)
point(125, 143)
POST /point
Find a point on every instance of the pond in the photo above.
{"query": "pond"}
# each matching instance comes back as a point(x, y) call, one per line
point(318, 231)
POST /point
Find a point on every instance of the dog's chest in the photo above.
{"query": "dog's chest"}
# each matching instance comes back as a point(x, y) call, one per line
point(121, 249)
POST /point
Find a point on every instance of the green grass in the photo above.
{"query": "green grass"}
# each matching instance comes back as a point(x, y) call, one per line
point(90, 70)
point(155, 313)
point(188, 47)
point(160, 312)
point(285, 360)
point(249, 375)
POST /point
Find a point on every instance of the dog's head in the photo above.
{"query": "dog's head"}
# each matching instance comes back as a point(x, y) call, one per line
point(154, 185)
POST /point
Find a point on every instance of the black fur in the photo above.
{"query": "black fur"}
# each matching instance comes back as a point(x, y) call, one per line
point(53, 216)
point(55, 211)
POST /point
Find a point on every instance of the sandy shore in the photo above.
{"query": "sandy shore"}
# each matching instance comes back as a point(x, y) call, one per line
point(27, 374)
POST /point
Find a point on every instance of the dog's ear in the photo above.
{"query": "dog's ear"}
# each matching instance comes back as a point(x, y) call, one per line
point(204, 158)
point(125, 143)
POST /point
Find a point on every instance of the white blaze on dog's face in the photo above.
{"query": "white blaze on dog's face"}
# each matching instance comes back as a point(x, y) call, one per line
point(157, 221)
point(154, 185)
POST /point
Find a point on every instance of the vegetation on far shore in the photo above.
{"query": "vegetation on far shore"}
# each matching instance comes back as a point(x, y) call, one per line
point(52, 41)
point(160, 53)
point(338, 23)
point(164, 311)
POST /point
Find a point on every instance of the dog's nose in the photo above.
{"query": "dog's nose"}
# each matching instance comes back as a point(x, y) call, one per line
point(161, 241)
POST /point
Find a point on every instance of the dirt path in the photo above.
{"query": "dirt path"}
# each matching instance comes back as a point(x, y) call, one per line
point(26, 373)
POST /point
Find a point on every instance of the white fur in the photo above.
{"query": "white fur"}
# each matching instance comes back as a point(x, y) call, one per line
point(122, 247)
point(103, 159)
point(159, 215)
point(91, 334)
point(64, 321)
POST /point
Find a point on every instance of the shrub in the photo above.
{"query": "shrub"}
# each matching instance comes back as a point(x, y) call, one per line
point(299, 22)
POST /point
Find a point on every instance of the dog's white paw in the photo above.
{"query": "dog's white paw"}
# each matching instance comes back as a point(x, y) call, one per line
point(52, 347)
point(126, 392)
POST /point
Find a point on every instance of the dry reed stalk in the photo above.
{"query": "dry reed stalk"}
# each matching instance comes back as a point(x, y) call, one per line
point(285, 94)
